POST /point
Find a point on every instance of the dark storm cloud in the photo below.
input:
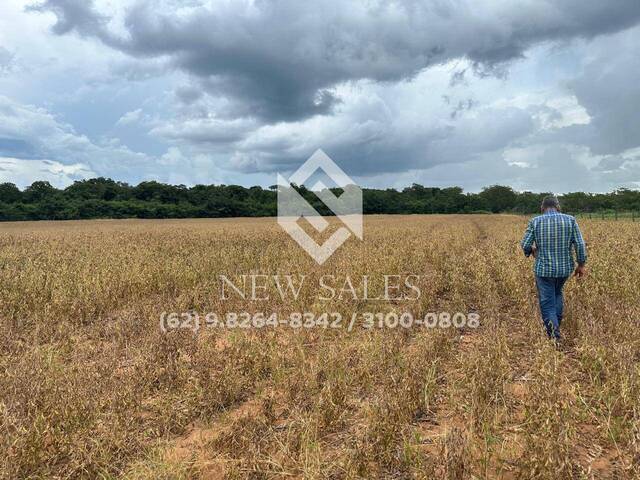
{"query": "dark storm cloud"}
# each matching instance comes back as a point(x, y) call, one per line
point(608, 89)
point(609, 164)
point(187, 94)
point(367, 143)
point(77, 15)
point(279, 60)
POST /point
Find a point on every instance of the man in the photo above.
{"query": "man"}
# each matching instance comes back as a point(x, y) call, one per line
point(550, 237)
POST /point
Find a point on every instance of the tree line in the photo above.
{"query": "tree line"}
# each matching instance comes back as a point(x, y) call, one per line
point(106, 198)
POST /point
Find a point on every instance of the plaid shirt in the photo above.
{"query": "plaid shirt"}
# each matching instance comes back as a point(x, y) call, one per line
point(554, 235)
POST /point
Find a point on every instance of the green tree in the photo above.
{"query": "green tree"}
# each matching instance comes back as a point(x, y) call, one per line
point(38, 192)
point(499, 198)
point(9, 193)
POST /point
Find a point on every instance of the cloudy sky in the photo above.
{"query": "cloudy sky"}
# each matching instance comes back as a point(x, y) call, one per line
point(538, 94)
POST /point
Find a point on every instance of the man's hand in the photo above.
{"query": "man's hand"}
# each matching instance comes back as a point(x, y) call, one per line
point(581, 271)
point(534, 251)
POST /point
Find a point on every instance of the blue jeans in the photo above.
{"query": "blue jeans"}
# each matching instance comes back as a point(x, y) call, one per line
point(551, 303)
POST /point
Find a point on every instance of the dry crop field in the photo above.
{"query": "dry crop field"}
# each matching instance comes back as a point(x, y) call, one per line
point(92, 387)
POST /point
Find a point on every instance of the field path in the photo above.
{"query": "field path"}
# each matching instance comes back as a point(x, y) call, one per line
point(497, 384)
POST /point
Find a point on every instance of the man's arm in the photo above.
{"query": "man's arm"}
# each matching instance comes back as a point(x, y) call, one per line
point(580, 248)
point(529, 239)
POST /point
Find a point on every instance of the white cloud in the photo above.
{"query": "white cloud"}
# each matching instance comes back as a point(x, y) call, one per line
point(128, 118)
point(23, 172)
point(33, 133)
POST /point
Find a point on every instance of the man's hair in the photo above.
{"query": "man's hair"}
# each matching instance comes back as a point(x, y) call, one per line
point(550, 201)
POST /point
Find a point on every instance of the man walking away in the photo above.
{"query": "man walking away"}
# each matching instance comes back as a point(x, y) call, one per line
point(550, 237)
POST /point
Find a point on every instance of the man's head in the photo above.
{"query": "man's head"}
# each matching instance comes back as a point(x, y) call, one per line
point(550, 202)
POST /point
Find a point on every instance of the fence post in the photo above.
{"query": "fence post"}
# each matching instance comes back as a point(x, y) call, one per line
point(616, 214)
